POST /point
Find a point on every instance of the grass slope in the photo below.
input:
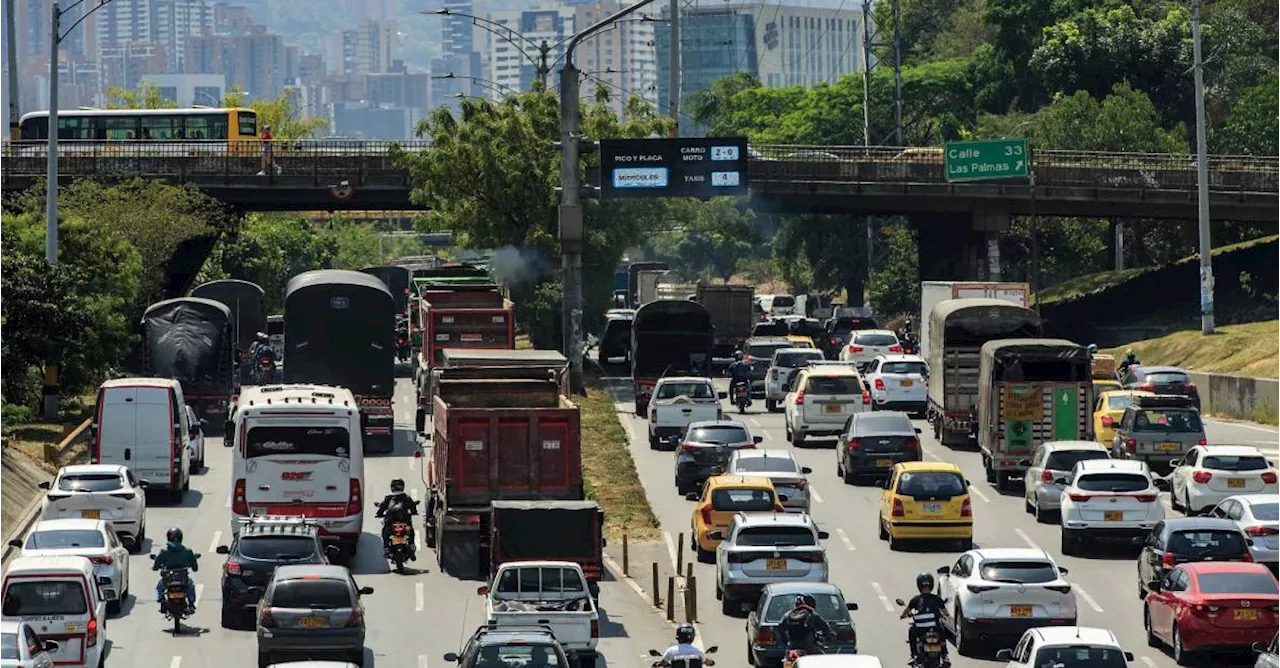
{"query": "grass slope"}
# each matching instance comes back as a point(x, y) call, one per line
point(609, 471)
point(1251, 349)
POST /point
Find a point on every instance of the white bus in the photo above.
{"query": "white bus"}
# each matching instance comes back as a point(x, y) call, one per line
point(298, 452)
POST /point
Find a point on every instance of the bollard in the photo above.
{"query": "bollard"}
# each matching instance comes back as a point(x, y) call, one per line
point(626, 557)
point(671, 599)
point(657, 602)
point(679, 554)
point(688, 570)
point(691, 600)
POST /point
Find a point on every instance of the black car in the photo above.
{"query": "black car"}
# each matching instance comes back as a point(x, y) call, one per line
point(615, 340)
point(506, 646)
point(706, 449)
point(1161, 380)
point(836, 333)
point(872, 442)
point(1187, 540)
point(261, 546)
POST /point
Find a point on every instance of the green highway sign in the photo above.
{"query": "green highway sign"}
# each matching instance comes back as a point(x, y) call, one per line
point(990, 159)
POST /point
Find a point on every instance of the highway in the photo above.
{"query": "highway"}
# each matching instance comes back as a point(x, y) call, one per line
point(412, 619)
point(871, 575)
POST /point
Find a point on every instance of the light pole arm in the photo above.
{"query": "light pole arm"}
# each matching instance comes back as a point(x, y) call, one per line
point(493, 28)
point(604, 23)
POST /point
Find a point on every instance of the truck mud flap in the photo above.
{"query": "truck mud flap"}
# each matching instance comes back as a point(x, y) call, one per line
point(458, 553)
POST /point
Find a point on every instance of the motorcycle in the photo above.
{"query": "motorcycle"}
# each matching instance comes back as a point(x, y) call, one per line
point(175, 595)
point(266, 370)
point(930, 649)
point(742, 395)
point(685, 661)
point(398, 548)
point(402, 345)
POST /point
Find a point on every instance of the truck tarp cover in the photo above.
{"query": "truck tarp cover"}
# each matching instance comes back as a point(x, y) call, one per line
point(1018, 360)
point(972, 322)
point(671, 336)
point(396, 279)
point(340, 330)
point(247, 303)
point(548, 529)
point(185, 339)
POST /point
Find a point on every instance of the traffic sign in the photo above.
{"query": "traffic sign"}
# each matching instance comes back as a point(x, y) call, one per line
point(990, 159)
point(684, 167)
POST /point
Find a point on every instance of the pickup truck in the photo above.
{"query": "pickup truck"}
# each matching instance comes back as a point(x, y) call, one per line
point(678, 401)
point(551, 594)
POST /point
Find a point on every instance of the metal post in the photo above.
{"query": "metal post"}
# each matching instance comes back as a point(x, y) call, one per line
point(657, 600)
point(679, 554)
point(674, 66)
point(51, 167)
point(543, 68)
point(11, 53)
point(626, 557)
point(1202, 180)
point(671, 599)
point(897, 75)
point(1119, 245)
point(1035, 232)
point(866, 72)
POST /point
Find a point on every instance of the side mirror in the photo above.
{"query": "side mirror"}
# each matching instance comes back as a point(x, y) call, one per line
point(1062, 571)
point(967, 483)
point(153, 557)
point(917, 430)
point(899, 601)
point(197, 555)
point(1175, 463)
point(1060, 481)
point(691, 496)
point(757, 439)
point(1155, 585)
point(723, 395)
point(1128, 656)
point(482, 590)
point(853, 606)
point(1004, 655)
point(1024, 462)
point(15, 543)
point(1249, 542)
point(823, 535)
point(806, 470)
point(365, 591)
point(1258, 647)
point(203, 423)
point(654, 652)
point(223, 549)
point(144, 484)
point(451, 657)
point(712, 649)
point(944, 570)
point(51, 646)
point(715, 535)
point(44, 485)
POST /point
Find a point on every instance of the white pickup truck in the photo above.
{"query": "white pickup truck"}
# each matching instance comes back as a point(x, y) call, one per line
point(677, 402)
point(551, 594)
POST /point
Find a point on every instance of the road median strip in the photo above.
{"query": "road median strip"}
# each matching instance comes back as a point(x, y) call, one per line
point(610, 473)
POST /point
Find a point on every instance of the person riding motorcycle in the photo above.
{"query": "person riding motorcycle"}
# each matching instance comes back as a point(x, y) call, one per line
point(262, 350)
point(1130, 359)
point(175, 555)
point(397, 507)
point(802, 628)
point(684, 648)
point(739, 372)
point(905, 335)
point(925, 609)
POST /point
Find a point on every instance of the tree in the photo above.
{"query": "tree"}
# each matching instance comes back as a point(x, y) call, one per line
point(147, 96)
point(1125, 121)
point(269, 250)
point(720, 236)
point(895, 286)
point(282, 114)
point(833, 246)
point(1251, 126)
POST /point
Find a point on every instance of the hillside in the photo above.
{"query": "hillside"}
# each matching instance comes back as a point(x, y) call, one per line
point(1251, 349)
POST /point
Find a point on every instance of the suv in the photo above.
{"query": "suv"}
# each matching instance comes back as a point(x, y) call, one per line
point(310, 610)
point(1066, 645)
point(1055, 459)
point(825, 397)
point(1159, 430)
point(867, 345)
point(1108, 498)
point(706, 449)
point(1184, 540)
point(533, 646)
point(784, 364)
point(757, 550)
point(759, 355)
point(837, 331)
point(899, 383)
point(1161, 380)
point(263, 545)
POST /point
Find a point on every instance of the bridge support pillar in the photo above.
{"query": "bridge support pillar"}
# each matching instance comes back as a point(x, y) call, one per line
point(951, 249)
point(990, 225)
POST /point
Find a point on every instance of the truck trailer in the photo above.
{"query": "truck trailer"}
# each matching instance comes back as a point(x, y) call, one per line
point(934, 292)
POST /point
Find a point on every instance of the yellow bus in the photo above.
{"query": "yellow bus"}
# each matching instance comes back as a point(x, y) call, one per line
point(200, 130)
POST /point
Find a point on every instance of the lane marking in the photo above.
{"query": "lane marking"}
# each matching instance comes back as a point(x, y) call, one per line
point(1087, 598)
point(1147, 660)
point(765, 434)
point(754, 422)
point(671, 548)
point(1026, 539)
point(422, 661)
point(199, 592)
point(813, 491)
point(418, 595)
point(880, 595)
point(217, 538)
point(1242, 426)
point(175, 662)
point(978, 493)
point(844, 538)
point(228, 505)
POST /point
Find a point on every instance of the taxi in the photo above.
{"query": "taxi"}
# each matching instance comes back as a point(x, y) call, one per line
point(1109, 408)
point(1101, 385)
point(722, 497)
point(926, 501)
point(798, 341)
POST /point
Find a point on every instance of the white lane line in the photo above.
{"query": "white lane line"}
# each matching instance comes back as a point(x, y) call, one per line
point(419, 592)
point(884, 600)
point(217, 538)
point(754, 422)
point(813, 491)
point(228, 505)
point(422, 661)
point(1087, 598)
point(199, 592)
point(844, 538)
point(765, 434)
point(1026, 539)
point(175, 662)
point(1147, 660)
point(671, 548)
point(978, 493)
point(1242, 426)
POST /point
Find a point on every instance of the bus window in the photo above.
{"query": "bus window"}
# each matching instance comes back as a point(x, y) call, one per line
point(160, 127)
point(73, 128)
point(248, 124)
point(35, 128)
point(207, 127)
point(117, 129)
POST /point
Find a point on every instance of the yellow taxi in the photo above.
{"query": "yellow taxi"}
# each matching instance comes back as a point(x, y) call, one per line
point(1107, 411)
point(798, 341)
point(1101, 385)
point(926, 500)
point(721, 498)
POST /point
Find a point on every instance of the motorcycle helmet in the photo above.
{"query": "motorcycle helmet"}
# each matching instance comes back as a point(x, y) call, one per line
point(737, 355)
point(397, 485)
point(924, 582)
point(685, 634)
point(173, 535)
point(262, 336)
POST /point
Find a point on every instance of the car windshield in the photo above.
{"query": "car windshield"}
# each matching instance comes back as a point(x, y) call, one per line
point(794, 360)
point(783, 301)
point(747, 500)
point(931, 484)
point(323, 593)
point(1065, 460)
point(875, 340)
point(45, 597)
point(870, 423)
point(830, 607)
point(1208, 543)
point(1079, 657)
point(766, 536)
point(1237, 583)
point(1166, 378)
point(1018, 572)
point(9, 646)
point(1119, 402)
point(1235, 463)
point(278, 548)
point(89, 482)
point(834, 385)
point(765, 351)
point(1113, 482)
point(64, 539)
point(765, 465)
point(540, 579)
point(523, 654)
point(905, 368)
point(1168, 420)
point(1267, 512)
point(694, 390)
point(726, 435)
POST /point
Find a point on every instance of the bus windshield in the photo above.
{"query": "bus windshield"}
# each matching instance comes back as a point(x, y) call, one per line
point(323, 441)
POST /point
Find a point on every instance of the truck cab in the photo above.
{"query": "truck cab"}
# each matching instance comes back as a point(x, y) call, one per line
point(553, 594)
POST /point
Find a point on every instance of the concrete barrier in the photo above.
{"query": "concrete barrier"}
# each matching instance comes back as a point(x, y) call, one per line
point(1239, 397)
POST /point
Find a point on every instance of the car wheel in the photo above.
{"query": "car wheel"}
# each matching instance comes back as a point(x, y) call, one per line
point(964, 644)
point(230, 618)
point(264, 660)
point(884, 532)
point(965, 544)
point(113, 607)
point(1186, 505)
point(1142, 591)
point(797, 439)
point(1042, 517)
point(751, 659)
point(705, 556)
point(1181, 655)
point(894, 543)
point(1068, 544)
point(653, 442)
point(1152, 640)
point(728, 606)
point(849, 477)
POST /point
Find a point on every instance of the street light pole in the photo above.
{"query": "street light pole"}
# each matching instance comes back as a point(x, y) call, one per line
point(11, 53)
point(51, 166)
point(1202, 179)
point(674, 65)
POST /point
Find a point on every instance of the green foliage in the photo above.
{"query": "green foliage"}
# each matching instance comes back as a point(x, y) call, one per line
point(269, 250)
point(717, 238)
point(1251, 126)
point(145, 97)
point(830, 250)
point(895, 286)
point(1124, 121)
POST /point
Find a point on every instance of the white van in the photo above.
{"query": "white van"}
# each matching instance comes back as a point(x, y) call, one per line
point(59, 598)
point(142, 424)
point(776, 305)
point(298, 452)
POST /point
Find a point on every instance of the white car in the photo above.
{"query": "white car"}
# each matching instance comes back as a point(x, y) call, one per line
point(91, 539)
point(1010, 590)
point(20, 647)
point(1258, 516)
point(1108, 498)
point(898, 383)
point(867, 344)
point(761, 549)
point(1066, 646)
point(195, 440)
point(821, 401)
point(837, 661)
point(1208, 474)
point(781, 468)
point(107, 492)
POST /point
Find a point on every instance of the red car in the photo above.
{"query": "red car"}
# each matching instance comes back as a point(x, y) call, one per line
point(1212, 605)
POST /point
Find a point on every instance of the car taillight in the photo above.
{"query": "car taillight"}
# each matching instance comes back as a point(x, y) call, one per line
point(966, 508)
point(1167, 560)
point(898, 510)
point(866, 397)
point(1145, 387)
point(595, 628)
point(706, 514)
point(749, 445)
point(1269, 477)
point(1189, 387)
point(913, 444)
point(266, 620)
point(231, 568)
point(1046, 476)
point(1079, 497)
point(1208, 610)
point(1247, 557)
point(1146, 498)
point(800, 398)
point(880, 384)
point(239, 505)
point(764, 637)
point(355, 618)
point(807, 557)
point(102, 560)
point(747, 360)
point(1201, 476)
point(1262, 531)
point(978, 589)
point(895, 349)
point(855, 349)
point(127, 496)
point(834, 341)
point(1202, 442)
point(1061, 589)
point(91, 633)
point(355, 504)
point(688, 447)
point(1131, 444)
point(854, 444)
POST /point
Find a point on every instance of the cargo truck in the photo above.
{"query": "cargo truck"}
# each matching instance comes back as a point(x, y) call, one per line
point(730, 307)
point(247, 303)
point(511, 436)
point(668, 338)
point(934, 292)
point(564, 530)
point(633, 280)
point(648, 284)
point(191, 340)
point(672, 290)
point(1030, 391)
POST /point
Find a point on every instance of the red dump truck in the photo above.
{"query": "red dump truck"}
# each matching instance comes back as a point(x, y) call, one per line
point(500, 434)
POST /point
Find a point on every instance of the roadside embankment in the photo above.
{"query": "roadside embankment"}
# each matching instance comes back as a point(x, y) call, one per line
point(31, 456)
point(609, 471)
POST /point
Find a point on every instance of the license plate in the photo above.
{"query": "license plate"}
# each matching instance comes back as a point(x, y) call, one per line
point(906, 383)
point(831, 408)
point(175, 595)
point(1168, 445)
point(933, 508)
point(91, 514)
point(1112, 515)
point(399, 540)
point(1245, 614)
point(777, 564)
point(884, 463)
point(311, 622)
point(1020, 610)
point(1235, 482)
point(932, 647)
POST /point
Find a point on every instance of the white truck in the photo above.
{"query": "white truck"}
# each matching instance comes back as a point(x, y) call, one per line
point(934, 292)
point(551, 594)
point(677, 402)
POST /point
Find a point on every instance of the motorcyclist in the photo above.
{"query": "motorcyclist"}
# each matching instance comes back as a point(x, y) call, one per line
point(1130, 359)
point(739, 372)
point(262, 350)
point(924, 610)
point(175, 555)
point(905, 334)
point(802, 628)
point(684, 648)
point(397, 507)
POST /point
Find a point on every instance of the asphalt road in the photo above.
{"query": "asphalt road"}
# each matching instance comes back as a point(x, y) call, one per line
point(412, 620)
point(871, 575)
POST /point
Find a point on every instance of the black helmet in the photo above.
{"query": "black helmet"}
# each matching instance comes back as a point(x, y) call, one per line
point(924, 581)
point(737, 355)
point(397, 485)
point(685, 634)
point(173, 535)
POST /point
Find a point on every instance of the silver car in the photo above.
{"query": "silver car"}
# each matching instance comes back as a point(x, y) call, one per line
point(785, 363)
point(20, 647)
point(758, 550)
point(310, 610)
point(781, 468)
point(1052, 461)
point(1258, 516)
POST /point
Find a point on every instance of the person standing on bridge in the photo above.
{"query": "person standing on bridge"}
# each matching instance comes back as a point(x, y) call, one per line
point(267, 161)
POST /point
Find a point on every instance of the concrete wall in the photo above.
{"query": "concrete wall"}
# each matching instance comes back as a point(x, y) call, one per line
point(1237, 397)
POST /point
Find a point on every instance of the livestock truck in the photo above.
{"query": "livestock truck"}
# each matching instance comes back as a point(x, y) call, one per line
point(668, 338)
point(191, 340)
point(732, 316)
point(934, 292)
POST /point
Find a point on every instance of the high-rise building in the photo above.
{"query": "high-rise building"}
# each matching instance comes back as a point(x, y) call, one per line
point(121, 21)
point(622, 59)
point(460, 43)
point(369, 47)
point(256, 61)
point(511, 66)
point(127, 64)
point(175, 21)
